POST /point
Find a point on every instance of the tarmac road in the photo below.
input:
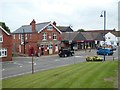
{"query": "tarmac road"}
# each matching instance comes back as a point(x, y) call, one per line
point(23, 65)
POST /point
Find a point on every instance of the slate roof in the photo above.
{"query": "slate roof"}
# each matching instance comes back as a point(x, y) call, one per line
point(116, 33)
point(79, 37)
point(28, 28)
point(82, 36)
point(69, 35)
point(65, 28)
point(92, 35)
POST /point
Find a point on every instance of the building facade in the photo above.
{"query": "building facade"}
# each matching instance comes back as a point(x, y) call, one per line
point(5, 45)
point(38, 39)
point(81, 40)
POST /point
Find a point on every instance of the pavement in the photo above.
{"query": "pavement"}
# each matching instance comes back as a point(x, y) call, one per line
point(23, 65)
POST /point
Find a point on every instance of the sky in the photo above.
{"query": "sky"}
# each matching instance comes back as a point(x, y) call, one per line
point(79, 14)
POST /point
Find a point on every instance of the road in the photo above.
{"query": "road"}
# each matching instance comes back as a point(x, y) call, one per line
point(23, 65)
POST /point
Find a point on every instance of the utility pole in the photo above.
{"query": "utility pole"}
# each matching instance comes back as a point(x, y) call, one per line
point(104, 15)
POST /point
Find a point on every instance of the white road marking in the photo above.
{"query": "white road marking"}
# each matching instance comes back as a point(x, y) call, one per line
point(21, 66)
point(31, 63)
point(35, 64)
point(78, 56)
point(18, 63)
point(57, 60)
point(116, 58)
point(3, 69)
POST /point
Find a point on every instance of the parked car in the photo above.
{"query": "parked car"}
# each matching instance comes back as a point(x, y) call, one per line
point(113, 47)
point(65, 52)
point(106, 51)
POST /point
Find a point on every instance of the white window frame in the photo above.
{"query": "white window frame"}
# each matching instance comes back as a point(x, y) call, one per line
point(26, 37)
point(44, 36)
point(54, 36)
point(19, 36)
point(13, 36)
point(20, 48)
point(3, 52)
point(22, 39)
point(1, 36)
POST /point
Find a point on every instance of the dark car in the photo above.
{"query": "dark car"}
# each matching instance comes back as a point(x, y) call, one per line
point(65, 52)
point(106, 51)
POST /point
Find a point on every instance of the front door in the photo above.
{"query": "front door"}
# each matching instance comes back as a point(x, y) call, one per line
point(50, 49)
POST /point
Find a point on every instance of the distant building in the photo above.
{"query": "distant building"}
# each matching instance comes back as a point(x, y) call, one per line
point(5, 45)
point(65, 28)
point(117, 35)
point(81, 40)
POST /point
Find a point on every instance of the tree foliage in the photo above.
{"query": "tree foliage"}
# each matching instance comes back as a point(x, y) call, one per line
point(3, 25)
point(80, 30)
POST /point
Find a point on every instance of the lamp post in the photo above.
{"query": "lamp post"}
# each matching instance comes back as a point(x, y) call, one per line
point(103, 14)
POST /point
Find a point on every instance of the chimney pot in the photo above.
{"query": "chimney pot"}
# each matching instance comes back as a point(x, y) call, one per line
point(33, 24)
point(54, 23)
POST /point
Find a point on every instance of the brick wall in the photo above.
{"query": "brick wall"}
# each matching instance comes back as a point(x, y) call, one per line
point(7, 43)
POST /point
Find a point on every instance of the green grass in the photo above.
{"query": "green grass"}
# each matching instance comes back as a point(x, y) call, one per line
point(82, 75)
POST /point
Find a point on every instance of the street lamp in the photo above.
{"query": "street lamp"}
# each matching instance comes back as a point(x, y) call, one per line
point(103, 14)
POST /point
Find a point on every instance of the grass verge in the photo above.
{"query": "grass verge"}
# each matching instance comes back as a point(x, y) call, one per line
point(81, 75)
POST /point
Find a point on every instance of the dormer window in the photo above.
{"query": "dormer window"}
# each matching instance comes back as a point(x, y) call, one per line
point(50, 27)
point(1, 38)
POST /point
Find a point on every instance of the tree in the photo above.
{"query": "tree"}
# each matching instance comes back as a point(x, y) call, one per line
point(80, 30)
point(3, 25)
point(114, 29)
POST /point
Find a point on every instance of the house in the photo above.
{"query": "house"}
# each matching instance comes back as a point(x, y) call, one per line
point(37, 38)
point(5, 45)
point(110, 39)
point(117, 35)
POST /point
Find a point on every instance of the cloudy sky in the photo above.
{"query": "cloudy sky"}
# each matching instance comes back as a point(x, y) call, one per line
point(77, 13)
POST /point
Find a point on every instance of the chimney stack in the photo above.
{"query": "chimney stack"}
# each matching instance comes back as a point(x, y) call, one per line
point(33, 23)
point(54, 23)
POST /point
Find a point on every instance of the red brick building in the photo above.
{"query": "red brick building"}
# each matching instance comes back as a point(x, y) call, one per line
point(5, 45)
point(38, 39)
